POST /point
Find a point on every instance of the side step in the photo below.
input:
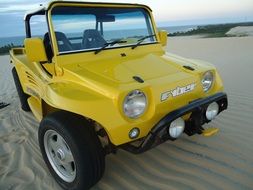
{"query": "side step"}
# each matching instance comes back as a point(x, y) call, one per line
point(210, 132)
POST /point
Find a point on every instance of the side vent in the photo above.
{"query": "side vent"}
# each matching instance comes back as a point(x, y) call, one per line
point(31, 79)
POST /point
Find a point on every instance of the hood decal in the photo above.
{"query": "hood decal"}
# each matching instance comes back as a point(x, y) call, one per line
point(178, 91)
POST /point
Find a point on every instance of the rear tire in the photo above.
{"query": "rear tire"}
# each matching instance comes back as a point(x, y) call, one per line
point(22, 96)
point(80, 139)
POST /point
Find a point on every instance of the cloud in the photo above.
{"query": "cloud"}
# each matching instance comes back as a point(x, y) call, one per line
point(14, 6)
point(17, 8)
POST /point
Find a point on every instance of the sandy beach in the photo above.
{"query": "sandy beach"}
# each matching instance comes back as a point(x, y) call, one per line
point(224, 161)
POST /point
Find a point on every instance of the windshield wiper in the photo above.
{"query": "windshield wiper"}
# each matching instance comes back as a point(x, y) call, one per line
point(141, 40)
point(118, 41)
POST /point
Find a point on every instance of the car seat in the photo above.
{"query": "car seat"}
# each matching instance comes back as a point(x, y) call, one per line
point(92, 39)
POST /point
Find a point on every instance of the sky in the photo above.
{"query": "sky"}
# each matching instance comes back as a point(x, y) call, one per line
point(166, 13)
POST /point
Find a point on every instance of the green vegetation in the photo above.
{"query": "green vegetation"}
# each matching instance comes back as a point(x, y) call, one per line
point(5, 49)
point(212, 31)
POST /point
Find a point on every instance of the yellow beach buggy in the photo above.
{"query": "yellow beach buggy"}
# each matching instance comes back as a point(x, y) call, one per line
point(98, 79)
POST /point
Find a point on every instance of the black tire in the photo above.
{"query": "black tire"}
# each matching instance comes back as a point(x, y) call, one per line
point(87, 151)
point(22, 96)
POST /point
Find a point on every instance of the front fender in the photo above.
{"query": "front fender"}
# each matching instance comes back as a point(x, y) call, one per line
point(80, 100)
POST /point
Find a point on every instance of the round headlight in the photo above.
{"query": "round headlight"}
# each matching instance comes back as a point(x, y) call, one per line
point(207, 81)
point(135, 104)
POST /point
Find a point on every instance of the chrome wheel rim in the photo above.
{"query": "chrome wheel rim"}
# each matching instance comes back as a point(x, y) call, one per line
point(60, 156)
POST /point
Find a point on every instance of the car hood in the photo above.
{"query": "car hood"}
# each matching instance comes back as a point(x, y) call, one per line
point(161, 72)
point(148, 67)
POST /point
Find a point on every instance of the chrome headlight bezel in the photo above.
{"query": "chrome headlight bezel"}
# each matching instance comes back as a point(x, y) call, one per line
point(135, 104)
point(207, 81)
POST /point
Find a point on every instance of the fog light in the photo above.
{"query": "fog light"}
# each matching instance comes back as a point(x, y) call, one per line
point(212, 111)
point(177, 128)
point(134, 133)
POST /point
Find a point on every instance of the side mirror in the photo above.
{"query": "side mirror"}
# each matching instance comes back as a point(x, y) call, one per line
point(35, 50)
point(163, 34)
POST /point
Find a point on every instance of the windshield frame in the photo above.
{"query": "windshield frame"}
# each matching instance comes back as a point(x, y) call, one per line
point(98, 5)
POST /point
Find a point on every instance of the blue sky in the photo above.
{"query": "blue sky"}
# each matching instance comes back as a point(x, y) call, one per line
point(167, 13)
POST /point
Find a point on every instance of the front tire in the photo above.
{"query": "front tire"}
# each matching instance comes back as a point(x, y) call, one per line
point(71, 150)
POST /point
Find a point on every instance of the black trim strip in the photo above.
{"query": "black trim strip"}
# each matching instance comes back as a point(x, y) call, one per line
point(46, 70)
point(28, 28)
point(50, 37)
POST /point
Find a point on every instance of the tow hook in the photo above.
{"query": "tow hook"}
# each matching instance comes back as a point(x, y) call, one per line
point(210, 132)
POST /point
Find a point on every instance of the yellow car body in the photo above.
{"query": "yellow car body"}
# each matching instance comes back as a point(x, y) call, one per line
point(95, 86)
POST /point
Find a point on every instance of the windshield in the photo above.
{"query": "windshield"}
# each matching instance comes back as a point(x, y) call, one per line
point(89, 29)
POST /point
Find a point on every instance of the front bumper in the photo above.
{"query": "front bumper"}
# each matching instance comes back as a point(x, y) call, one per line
point(159, 133)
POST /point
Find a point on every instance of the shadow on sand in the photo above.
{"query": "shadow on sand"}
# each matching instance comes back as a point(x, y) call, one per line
point(3, 105)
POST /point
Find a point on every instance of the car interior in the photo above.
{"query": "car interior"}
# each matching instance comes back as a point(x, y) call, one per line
point(91, 39)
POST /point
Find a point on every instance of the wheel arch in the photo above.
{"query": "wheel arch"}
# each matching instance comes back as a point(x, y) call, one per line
point(101, 131)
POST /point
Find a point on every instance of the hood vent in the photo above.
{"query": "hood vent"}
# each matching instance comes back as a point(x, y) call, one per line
point(189, 68)
point(138, 79)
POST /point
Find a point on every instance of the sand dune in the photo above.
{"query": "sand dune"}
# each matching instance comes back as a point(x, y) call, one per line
point(241, 31)
point(224, 161)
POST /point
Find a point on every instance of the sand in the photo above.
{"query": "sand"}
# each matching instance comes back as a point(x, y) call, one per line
point(224, 161)
point(241, 31)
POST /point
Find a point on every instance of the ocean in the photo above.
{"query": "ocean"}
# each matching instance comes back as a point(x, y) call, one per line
point(18, 40)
